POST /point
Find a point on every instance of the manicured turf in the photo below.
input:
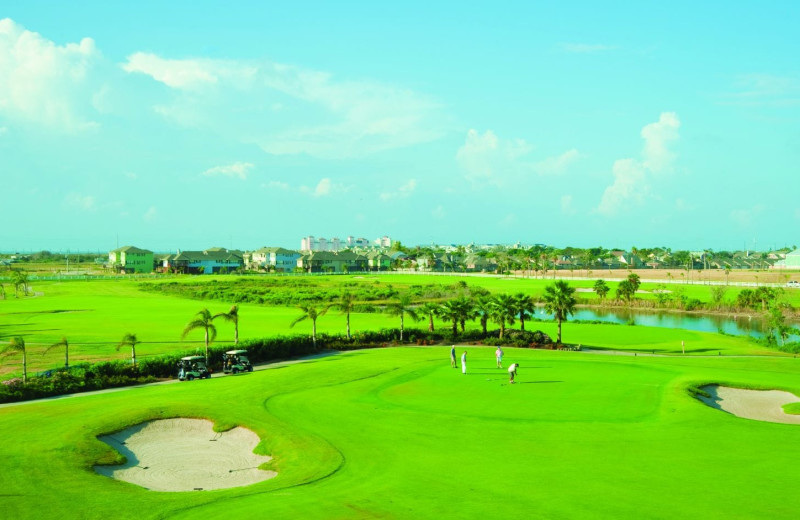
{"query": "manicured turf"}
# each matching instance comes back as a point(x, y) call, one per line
point(94, 315)
point(397, 433)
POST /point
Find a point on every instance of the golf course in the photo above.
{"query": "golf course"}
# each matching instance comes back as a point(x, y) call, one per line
point(615, 430)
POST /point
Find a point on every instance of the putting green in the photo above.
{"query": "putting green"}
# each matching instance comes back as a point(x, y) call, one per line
point(397, 433)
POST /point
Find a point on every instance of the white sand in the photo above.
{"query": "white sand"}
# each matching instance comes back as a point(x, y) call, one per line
point(186, 455)
point(760, 405)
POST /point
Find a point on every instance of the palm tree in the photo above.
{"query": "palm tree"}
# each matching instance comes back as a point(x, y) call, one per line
point(483, 307)
point(63, 343)
point(601, 289)
point(203, 320)
point(17, 344)
point(449, 311)
point(559, 300)
point(310, 312)
point(345, 303)
point(503, 311)
point(525, 307)
point(429, 310)
point(232, 316)
point(2, 291)
point(130, 340)
point(401, 307)
point(19, 279)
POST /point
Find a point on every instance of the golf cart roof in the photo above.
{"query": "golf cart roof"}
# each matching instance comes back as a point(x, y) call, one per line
point(236, 352)
point(193, 358)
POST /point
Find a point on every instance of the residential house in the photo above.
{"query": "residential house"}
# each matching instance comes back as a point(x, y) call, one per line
point(209, 261)
point(276, 259)
point(377, 261)
point(130, 259)
point(329, 262)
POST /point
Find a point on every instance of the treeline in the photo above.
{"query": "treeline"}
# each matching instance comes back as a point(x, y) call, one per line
point(295, 291)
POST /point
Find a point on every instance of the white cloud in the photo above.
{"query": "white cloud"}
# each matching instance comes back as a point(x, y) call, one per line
point(323, 188)
point(489, 159)
point(438, 212)
point(586, 48)
point(237, 169)
point(3, 130)
point(566, 205)
point(757, 90)
point(656, 155)
point(632, 177)
point(402, 192)
point(80, 202)
point(746, 217)
point(289, 109)
point(45, 83)
point(150, 215)
point(558, 164)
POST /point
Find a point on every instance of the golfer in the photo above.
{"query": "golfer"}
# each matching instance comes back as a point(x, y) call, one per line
point(512, 371)
point(453, 356)
point(498, 354)
point(464, 362)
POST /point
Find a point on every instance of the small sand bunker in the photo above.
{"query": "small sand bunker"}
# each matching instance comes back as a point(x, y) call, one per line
point(186, 455)
point(760, 405)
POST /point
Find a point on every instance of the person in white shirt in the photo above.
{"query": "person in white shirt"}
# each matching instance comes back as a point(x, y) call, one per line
point(464, 362)
point(499, 355)
point(512, 371)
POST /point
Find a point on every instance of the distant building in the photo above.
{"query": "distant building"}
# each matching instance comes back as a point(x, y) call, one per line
point(272, 258)
point(312, 243)
point(131, 259)
point(210, 261)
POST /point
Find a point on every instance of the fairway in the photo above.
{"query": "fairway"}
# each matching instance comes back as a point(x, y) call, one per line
point(398, 433)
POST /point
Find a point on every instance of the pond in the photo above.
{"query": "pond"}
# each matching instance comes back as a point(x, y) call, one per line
point(753, 325)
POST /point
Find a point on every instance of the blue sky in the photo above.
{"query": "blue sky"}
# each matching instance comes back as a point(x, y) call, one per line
point(247, 124)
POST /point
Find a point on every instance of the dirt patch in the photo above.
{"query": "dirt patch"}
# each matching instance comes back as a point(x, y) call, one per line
point(186, 455)
point(759, 405)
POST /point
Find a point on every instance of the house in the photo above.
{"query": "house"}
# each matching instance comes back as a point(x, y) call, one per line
point(329, 262)
point(479, 263)
point(209, 261)
point(377, 261)
point(276, 259)
point(130, 259)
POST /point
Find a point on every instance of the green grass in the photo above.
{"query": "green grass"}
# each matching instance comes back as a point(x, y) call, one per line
point(397, 433)
point(94, 315)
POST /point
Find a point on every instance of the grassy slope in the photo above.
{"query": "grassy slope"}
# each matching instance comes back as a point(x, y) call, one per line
point(100, 312)
point(397, 433)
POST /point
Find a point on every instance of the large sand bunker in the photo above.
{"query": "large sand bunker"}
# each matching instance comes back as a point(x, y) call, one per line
point(186, 455)
point(760, 405)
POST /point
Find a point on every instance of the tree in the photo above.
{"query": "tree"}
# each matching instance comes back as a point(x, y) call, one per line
point(449, 311)
point(483, 307)
point(130, 340)
point(601, 289)
point(625, 290)
point(232, 316)
point(17, 344)
point(718, 295)
point(503, 311)
point(20, 279)
point(429, 310)
point(2, 292)
point(525, 307)
point(345, 303)
point(559, 300)
point(203, 320)
point(401, 307)
point(310, 312)
point(63, 343)
point(635, 281)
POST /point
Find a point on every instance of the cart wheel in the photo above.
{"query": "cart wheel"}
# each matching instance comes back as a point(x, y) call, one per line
point(190, 377)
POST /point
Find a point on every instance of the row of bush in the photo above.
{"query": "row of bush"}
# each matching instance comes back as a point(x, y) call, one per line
point(110, 374)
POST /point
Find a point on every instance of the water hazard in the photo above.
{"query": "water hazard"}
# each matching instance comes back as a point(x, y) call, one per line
point(736, 325)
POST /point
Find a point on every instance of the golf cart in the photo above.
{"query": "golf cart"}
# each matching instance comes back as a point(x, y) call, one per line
point(236, 361)
point(193, 367)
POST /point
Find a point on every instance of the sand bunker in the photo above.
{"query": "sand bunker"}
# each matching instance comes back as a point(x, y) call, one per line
point(186, 455)
point(760, 405)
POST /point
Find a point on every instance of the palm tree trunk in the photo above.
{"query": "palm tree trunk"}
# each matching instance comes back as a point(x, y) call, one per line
point(24, 366)
point(348, 326)
point(206, 345)
point(430, 322)
point(133, 355)
point(502, 329)
point(522, 322)
point(559, 331)
point(401, 328)
point(236, 333)
point(66, 357)
point(314, 332)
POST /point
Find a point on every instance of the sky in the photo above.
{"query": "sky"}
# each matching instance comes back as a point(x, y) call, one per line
point(198, 124)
